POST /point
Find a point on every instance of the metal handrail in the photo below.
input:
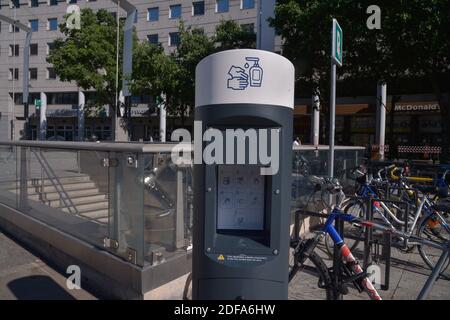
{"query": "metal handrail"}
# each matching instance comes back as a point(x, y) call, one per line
point(45, 166)
point(139, 147)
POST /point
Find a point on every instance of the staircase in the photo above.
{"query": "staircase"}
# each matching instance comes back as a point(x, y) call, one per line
point(76, 194)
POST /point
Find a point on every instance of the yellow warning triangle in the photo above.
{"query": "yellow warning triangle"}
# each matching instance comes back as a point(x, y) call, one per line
point(221, 257)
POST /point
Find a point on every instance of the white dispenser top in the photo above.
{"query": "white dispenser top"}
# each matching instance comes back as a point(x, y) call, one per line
point(245, 76)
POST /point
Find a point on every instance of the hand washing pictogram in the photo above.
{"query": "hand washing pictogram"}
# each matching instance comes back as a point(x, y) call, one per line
point(249, 75)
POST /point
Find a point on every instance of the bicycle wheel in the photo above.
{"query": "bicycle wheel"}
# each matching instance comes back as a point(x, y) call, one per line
point(309, 280)
point(431, 228)
point(352, 232)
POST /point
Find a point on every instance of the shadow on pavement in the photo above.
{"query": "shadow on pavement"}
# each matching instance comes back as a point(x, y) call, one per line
point(38, 288)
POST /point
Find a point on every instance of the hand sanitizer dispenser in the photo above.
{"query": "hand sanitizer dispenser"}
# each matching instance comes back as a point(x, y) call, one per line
point(245, 98)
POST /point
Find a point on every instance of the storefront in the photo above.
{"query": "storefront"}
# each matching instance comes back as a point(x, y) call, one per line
point(414, 123)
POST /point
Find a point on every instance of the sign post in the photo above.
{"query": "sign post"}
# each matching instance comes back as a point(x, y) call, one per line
point(336, 59)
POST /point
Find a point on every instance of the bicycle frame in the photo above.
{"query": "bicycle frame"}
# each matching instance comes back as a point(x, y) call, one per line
point(423, 204)
point(348, 257)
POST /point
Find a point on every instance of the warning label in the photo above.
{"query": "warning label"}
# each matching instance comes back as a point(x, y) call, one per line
point(243, 258)
point(221, 257)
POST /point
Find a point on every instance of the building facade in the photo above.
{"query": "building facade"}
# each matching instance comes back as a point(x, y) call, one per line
point(157, 22)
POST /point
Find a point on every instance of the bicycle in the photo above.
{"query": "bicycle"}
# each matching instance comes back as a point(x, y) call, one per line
point(330, 280)
point(427, 220)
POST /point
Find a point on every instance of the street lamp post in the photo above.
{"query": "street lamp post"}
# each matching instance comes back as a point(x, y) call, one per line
point(127, 57)
point(26, 67)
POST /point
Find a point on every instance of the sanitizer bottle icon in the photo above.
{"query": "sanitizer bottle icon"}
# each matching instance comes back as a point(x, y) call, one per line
point(255, 72)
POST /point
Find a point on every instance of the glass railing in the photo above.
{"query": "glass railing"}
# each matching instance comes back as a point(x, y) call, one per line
point(129, 199)
point(308, 160)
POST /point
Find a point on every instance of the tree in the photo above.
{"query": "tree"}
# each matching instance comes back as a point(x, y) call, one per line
point(87, 56)
point(411, 46)
point(230, 35)
point(173, 75)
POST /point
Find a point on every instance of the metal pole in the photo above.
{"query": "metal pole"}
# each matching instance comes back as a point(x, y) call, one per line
point(433, 276)
point(381, 117)
point(115, 114)
point(25, 89)
point(332, 120)
point(13, 120)
point(315, 119)
point(162, 119)
point(81, 103)
point(265, 33)
point(43, 118)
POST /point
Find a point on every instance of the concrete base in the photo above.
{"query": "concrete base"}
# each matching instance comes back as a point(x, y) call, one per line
point(102, 273)
point(172, 290)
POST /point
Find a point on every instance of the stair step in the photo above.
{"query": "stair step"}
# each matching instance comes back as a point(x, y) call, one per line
point(58, 203)
point(35, 182)
point(65, 187)
point(87, 207)
point(71, 194)
point(103, 220)
point(98, 214)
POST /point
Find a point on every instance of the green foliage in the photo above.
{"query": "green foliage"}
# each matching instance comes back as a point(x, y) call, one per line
point(412, 41)
point(88, 56)
point(173, 74)
point(230, 35)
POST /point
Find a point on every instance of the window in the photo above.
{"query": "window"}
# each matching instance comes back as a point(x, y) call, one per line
point(174, 39)
point(247, 4)
point(175, 11)
point(62, 98)
point(51, 73)
point(222, 6)
point(34, 3)
point(153, 14)
point(13, 28)
point(52, 24)
point(16, 74)
point(198, 8)
point(34, 25)
point(33, 73)
point(153, 38)
point(50, 47)
point(33, 49)
point(53, 2)
point(14, 3)
point(71, 1)
point(13, 50)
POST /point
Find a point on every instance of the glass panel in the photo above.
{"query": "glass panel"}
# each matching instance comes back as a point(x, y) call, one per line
point(312, 162)
point(9, 183)
point(126, 205)
point(167, 208)
point(66, 189)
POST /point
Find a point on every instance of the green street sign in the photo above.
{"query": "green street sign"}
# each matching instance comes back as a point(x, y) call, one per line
point(336, 43)
point(37, 103)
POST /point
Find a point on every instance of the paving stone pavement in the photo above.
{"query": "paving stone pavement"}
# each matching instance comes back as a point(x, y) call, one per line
point(23, 276)
point(408, 275)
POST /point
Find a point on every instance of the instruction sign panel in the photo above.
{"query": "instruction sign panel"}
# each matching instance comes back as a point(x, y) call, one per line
point(240, 198)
